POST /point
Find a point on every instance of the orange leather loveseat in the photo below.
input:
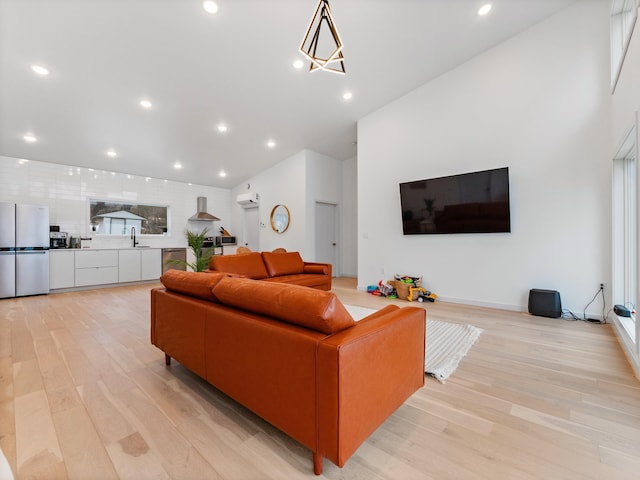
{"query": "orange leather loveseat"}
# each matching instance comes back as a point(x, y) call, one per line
point(285, 267)
point(293, 355)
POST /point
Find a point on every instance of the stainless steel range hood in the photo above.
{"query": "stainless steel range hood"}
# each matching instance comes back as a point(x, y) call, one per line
point(202, 215)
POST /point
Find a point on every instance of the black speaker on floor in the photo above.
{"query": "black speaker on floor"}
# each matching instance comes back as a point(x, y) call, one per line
point(545, 303)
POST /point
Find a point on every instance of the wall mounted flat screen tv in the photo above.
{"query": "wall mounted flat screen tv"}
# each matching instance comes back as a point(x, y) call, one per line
point(476, 202)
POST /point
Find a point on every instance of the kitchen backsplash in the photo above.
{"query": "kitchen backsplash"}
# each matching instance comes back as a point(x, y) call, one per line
point(67, 191)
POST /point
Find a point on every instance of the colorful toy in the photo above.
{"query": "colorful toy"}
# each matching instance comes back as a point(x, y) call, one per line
point(422, 294)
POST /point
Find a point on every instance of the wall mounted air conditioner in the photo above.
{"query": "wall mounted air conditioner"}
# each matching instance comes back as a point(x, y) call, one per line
point(248, 200)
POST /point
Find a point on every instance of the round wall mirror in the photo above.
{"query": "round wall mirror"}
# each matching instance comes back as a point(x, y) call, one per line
point(280, 218)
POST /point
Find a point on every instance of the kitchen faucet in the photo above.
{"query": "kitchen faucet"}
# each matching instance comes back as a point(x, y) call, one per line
point(133, 236)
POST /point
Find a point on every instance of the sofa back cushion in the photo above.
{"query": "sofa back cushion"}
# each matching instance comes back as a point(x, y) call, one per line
point(315, 309)
point(248, 265)
point(194, 284)
point(278, 264)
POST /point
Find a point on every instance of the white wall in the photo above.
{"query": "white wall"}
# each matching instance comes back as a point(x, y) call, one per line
point(297, 182)
point(285, 184)
point(539, 104)
point(66, 190)
point(324, 184)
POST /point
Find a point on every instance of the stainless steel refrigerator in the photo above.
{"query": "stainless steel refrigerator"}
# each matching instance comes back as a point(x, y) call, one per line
point(24, 250)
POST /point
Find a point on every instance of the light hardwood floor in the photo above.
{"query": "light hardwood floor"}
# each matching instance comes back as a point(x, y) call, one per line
point(83, 394)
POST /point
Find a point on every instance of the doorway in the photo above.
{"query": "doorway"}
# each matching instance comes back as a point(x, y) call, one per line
point(327, 235)
point(251, 228)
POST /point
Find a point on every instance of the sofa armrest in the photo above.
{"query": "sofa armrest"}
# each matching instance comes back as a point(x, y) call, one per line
point(364, 374)
point(315, 267)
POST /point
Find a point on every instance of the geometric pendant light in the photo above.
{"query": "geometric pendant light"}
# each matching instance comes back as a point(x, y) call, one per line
point(325, 55)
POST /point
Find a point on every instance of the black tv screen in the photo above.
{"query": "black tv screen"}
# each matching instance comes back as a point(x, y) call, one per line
point(476, 202)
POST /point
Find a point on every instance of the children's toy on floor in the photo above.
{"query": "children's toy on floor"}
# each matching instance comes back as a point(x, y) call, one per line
point(382, 290)
point(402, 283)
point(422, 294)
point(410, 288)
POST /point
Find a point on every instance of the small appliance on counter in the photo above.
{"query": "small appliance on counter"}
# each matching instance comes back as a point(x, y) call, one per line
point(225, 240)
point(58, 239)
point(85, 242)
point(74, 242)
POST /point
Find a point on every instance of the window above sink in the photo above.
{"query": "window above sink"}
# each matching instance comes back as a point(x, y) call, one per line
point(113, 217)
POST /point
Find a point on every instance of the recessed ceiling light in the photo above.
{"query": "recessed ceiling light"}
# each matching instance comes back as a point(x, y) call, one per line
point(298, 64)
point(177, 165)
point(271, 144)
point(145, 103)
point(40, 70)
point(210, 7)
point(222, 128)
point(222, 173)
point(483, 10)
point(112, 153)
point(29, 138)
point(347, 96)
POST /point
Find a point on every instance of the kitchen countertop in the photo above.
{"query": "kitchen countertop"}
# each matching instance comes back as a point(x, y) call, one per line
point(144, 247)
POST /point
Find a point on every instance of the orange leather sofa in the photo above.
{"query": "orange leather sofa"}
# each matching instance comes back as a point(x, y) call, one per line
point(293, 355)
point(274, 267)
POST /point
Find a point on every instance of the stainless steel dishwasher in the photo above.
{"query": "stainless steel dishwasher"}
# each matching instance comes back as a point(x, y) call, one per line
point(173, 254)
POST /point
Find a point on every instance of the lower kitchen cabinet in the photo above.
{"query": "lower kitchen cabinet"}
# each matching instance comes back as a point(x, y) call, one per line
point(141, 264)
point(62, 268)
point(96, 267)
point(150, 264)
point(128, 265)
point(85, 267)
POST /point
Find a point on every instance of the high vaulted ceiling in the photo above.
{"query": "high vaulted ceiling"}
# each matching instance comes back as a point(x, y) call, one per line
point(235, 67)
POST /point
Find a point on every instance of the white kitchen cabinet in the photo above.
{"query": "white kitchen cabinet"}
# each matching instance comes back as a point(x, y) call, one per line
point(128, 265)
point(150, 264)
point(96, 267)
point(139, 264)
point(96, 258)
point(82, 268)
point(61, 269)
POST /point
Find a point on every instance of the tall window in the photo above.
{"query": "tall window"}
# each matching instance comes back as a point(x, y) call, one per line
point(623, 19)
point(625, 238)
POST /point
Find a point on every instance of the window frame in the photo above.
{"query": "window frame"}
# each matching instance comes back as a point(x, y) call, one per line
point(624, 14)
point(626, 250)
point(95, 226)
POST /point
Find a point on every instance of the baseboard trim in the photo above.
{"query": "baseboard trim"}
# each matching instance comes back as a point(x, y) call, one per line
point(478, 303)
point(474, 303)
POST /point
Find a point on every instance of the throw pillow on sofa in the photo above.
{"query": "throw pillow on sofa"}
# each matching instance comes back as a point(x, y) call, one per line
point(278, 264)
point(315, 309)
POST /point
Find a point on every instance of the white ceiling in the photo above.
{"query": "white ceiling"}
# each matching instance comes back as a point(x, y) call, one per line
point(234, 67)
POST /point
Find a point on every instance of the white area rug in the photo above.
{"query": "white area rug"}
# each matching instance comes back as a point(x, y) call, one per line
point(446, 343)
point(5, 469)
